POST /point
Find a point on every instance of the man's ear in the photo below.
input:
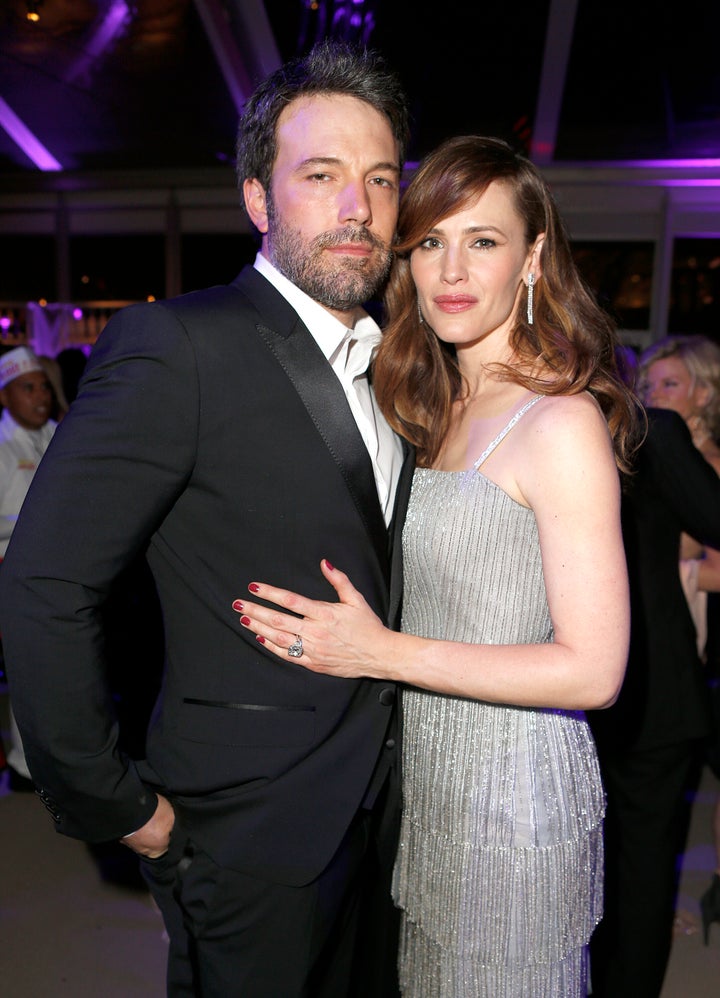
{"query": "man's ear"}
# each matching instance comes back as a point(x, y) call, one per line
point(256, 204)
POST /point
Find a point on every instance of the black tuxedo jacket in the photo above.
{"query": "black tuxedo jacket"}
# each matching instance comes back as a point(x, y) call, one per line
point(211, 433)
point(673, 490)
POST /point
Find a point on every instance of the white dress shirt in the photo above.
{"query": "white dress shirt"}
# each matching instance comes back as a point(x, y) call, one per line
point(20, 453)
point(348, 351)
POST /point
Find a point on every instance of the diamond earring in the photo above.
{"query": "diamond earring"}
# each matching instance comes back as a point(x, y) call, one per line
point(530, 296)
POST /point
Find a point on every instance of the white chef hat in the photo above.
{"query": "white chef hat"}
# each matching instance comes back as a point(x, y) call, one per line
point(19, 361)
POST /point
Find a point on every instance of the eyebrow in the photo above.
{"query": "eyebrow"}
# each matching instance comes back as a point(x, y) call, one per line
point(470, 230)
point(334, 161)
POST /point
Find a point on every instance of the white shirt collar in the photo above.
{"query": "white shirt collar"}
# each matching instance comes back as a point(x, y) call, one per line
point(328, 332)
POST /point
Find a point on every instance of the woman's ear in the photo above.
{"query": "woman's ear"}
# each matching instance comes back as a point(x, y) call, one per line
point(702, 395)
point(535, 257)
point(256, 204)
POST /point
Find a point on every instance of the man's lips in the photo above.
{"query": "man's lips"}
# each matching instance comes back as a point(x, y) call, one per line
point(352, 249)
point(454, 303)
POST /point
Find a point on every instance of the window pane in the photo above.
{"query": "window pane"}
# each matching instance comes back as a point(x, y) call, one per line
point(117, 268)
point(695, 287)
point(28, 269)
point(620, 275)
point(214, 259)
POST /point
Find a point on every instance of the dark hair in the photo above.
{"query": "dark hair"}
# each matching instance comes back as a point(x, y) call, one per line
point(569, 348)
point(331, 67)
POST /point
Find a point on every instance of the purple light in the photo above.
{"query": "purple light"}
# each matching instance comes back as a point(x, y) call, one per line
point(5, 323)
point(690, 164)
point(77, 314)
point(21, 134)
point(103, 35)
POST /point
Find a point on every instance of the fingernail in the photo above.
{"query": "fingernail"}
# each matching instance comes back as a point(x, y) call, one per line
point(330, 567)
point(254, 587)
point(260, 638)
point(245, 621)
point(237, 605)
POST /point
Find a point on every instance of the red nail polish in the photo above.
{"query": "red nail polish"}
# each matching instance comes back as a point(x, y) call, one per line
point(331, 567)
point(260, 638)
point(254, 587)
point(245, 621)
point(237, 605)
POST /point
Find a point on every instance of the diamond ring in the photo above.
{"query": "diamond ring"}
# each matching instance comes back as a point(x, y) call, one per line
point(296, 648)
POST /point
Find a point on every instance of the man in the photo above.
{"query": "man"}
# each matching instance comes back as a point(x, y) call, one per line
point(223, 433)
point(26, 429)
point(649, 740)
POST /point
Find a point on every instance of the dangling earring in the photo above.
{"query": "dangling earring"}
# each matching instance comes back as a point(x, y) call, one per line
point(530, 296)
point(420, 315)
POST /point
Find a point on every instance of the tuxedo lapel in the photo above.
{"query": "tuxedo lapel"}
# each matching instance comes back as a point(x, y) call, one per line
point(323, 397)
point(402, 496)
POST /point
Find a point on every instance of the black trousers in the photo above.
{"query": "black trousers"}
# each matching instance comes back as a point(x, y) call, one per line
point(236, 936)
point(648, 795)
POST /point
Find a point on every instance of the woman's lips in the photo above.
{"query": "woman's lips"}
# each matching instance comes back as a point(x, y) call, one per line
point(454, 303)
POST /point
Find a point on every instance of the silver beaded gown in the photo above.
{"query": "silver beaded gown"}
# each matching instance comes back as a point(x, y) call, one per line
point(499, 871)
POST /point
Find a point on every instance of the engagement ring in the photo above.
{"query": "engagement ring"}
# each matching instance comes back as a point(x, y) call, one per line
point(296, 648)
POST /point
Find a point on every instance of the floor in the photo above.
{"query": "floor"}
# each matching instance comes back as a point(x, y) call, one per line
point(65, 931)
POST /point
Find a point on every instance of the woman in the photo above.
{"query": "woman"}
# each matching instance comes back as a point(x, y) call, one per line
point(682, 373)
point(498, 367)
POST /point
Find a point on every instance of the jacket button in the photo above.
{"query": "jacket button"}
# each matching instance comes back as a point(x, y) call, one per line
point(387, 696)
point(390, 743)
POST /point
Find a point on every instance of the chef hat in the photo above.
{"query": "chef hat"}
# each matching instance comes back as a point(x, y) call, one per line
point(19, 361)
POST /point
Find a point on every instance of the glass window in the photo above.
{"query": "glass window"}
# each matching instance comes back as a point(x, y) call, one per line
point(117, 267)
point(695, 287)
point(214, 259)
point(620, 276)
point(28, 269)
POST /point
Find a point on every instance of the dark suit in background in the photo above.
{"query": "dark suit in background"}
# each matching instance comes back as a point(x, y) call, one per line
point(649, 742)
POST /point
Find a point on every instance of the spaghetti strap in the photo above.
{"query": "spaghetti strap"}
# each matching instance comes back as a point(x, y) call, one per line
point(504, 432)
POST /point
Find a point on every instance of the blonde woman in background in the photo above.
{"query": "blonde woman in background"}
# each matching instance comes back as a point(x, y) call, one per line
point(682, 373)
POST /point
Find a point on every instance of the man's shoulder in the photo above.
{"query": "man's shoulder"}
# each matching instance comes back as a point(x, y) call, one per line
point(250, 294)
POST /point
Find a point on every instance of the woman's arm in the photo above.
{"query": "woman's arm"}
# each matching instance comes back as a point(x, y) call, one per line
point(569, 478)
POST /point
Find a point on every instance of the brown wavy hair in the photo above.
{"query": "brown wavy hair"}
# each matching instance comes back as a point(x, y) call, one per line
point(570, 347)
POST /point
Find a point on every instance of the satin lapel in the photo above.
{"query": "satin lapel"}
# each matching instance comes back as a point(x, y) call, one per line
point(324, 398)
point(402, 496)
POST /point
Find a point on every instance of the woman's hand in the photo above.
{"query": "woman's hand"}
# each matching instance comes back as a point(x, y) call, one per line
point(343, 639)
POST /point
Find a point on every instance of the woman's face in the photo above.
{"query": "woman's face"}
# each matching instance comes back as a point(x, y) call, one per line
point(470, 269)
point(669, 385)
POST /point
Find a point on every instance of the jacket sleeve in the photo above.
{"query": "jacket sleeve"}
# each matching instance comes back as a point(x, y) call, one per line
point(115, 466)
point(689, 484)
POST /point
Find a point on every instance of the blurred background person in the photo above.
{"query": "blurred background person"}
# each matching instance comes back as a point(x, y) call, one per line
point(54, 375)
point(26, 428)
point(683, 373)
point(650, 742)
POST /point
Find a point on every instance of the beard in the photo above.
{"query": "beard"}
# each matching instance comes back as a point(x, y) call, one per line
point(339, 283)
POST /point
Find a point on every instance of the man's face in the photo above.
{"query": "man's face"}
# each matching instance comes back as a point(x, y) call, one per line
point(28, 399)
point(332, 207)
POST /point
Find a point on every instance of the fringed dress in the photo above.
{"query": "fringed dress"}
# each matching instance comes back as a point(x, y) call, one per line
point(499, 872)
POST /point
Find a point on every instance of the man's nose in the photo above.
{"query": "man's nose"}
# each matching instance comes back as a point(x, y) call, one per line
point(355, 204)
